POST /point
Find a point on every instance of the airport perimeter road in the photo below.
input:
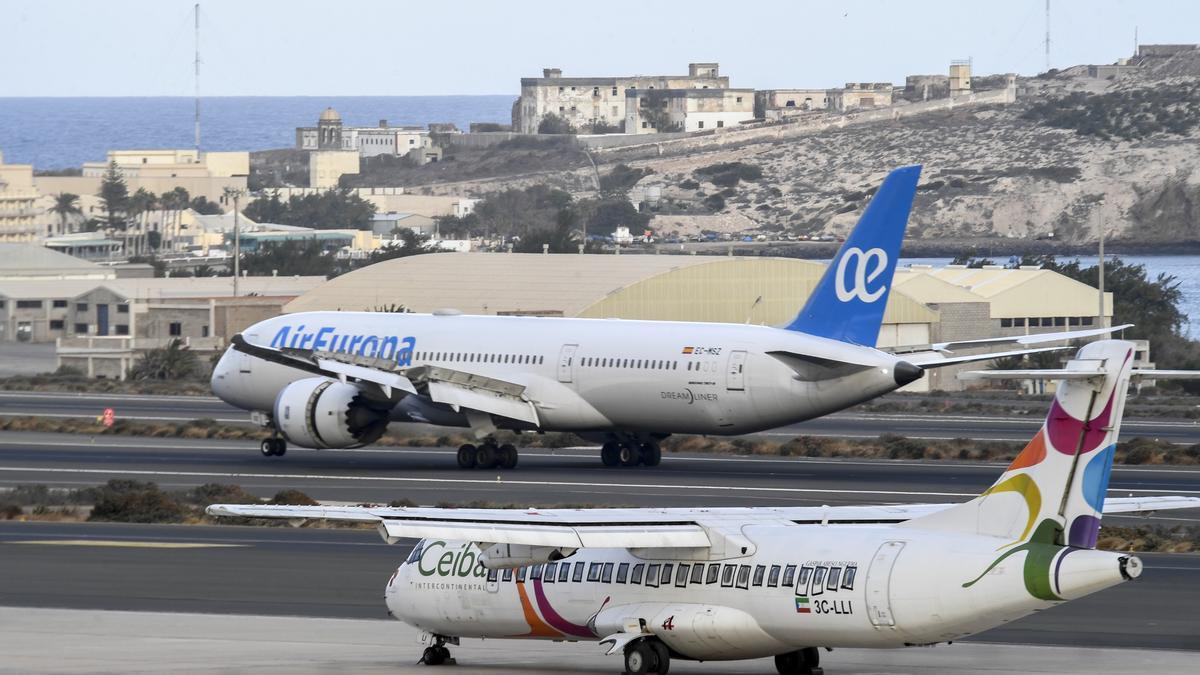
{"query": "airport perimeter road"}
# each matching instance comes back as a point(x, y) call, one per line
point(848, 424)
point(341, 574)
point(567, 476)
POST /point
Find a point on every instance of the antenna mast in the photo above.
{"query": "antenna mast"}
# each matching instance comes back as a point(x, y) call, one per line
point(197, 11)
point(1047, 35)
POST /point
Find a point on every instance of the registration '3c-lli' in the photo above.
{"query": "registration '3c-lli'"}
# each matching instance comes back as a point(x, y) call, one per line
point(744, 583)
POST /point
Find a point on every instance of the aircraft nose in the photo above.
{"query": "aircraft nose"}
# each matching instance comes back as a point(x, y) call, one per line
point(223, 380)
point(905, 372)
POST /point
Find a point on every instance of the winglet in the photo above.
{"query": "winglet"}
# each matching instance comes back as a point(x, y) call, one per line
point(849, 300)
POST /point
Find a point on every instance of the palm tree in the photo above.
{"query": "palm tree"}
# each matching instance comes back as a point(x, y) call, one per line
point(173, 362)
point(65, 206)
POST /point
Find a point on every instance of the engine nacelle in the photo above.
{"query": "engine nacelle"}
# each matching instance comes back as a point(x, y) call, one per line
point(502, 556)
point(318, 412)
point(704, 632)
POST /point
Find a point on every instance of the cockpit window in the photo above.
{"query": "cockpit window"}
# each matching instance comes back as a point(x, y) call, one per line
point(415, 555)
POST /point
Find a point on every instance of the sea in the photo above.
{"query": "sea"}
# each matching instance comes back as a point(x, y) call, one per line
point(65, 132)
point(60, 133)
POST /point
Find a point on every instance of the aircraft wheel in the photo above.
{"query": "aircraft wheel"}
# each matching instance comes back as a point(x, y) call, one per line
point(663, 657)
point(651, 454)
point(433, 656)
point(640, 658)
point(796, 663)
point(507, 456)
point(629, 454)
point(267, 447)
point(466, 456)
point(485, 456)
point(610, 454)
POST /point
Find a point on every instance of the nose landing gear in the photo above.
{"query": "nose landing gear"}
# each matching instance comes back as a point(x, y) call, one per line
point(800, 662)
point(438, 654)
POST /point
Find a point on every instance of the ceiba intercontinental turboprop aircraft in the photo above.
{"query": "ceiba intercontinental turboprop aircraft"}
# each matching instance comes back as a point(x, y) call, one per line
point(336, 379)
point(743, 583)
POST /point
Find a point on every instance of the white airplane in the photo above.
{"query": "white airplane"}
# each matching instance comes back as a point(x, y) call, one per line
point(336, 379)
point(744, 583)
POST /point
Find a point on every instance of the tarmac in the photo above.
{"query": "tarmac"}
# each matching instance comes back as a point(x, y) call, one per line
point(75, 641)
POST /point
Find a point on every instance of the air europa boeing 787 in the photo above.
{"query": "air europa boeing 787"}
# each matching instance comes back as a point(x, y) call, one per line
point(740, 583)
point(337, 379)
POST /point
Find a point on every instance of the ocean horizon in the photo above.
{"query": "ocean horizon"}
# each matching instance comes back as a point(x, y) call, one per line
point(63, 132)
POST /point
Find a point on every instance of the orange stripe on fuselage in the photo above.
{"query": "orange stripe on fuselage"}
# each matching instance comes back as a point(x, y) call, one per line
point(1033, 453)
point(537, 627)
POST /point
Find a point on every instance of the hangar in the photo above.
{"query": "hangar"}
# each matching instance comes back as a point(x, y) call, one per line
point(926, 305)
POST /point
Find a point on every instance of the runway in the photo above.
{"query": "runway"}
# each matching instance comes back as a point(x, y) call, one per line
point(341, 574)
point(847, 424)
point(544, 477)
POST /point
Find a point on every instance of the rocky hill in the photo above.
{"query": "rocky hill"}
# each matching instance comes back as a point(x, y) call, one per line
point(1071, 151)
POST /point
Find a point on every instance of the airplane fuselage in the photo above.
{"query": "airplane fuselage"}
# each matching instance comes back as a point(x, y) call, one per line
point(585, 374)
point(844, 586)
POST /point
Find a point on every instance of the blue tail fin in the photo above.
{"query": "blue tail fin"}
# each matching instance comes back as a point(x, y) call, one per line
point(849, 300)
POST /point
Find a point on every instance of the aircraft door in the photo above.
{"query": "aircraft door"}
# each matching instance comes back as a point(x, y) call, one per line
point(566, 363)
point(735, 375)
point(879, 582)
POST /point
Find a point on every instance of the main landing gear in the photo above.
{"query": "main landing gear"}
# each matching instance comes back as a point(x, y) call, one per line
point(800, 662)
point(487, 455)
point(438, 654)
point(646, 657)
point(630, 453)
point(273, 447)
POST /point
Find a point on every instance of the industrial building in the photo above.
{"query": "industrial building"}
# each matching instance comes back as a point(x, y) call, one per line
point(926, 306)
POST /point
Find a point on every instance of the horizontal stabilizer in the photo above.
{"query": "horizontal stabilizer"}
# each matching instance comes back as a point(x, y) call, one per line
point(1033, 339)
point(1061, 374)
point(937, 360)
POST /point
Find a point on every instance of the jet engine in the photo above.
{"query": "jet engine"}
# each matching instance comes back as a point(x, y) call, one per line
point(318, 412)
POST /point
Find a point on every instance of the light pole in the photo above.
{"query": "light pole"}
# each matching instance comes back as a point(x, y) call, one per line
point(595, 177)
point(235, 194)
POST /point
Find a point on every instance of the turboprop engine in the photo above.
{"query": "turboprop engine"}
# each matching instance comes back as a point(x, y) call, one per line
point(321, 413)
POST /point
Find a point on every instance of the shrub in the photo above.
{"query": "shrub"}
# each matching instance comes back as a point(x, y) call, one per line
point(553, 124)
point(293, 498)
point(219, 493)
point(714, 202)
point(129, 501)
point(8, 511)
point(402, 503)
point(689, 184)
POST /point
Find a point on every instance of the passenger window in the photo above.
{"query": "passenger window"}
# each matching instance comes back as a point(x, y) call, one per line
point(594, 571)
point(535, 573)
point(564, 573)
point(802, 581)
point(668, 568)
point(551, 569)
point(789, 575)
point(759, 571)
point(622, 572)
point(773, 577)
point(848, 577)
point(652, 576)
point(578, 576)
point(636, 577)
point(681, 577)
point(818, 580)
point(743, 577)
point(714, 572)
point(521, 572)
point(831, 582)
point(493, 575)
point(508, 574)
point(606, 577)
point(697, 574)
point(727, 576)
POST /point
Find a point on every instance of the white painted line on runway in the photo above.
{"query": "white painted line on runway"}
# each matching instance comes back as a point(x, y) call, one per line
point(539, 483)
point(572, 452)
point(151, 418)
point(100, 396)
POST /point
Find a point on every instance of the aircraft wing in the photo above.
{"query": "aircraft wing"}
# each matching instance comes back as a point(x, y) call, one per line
point(1033, 339)
point(618, 528)
point(929, 360)
point(456, 388)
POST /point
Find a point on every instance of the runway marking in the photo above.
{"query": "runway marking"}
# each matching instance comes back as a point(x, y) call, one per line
point(541, 483)
point(135, 442)
point(152, 418)
point(116, 543)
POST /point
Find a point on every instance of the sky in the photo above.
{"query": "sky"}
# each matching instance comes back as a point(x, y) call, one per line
point(394, 47)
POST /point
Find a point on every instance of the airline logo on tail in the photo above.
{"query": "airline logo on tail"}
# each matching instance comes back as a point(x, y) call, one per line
point(867, 267)
point(848, 302)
